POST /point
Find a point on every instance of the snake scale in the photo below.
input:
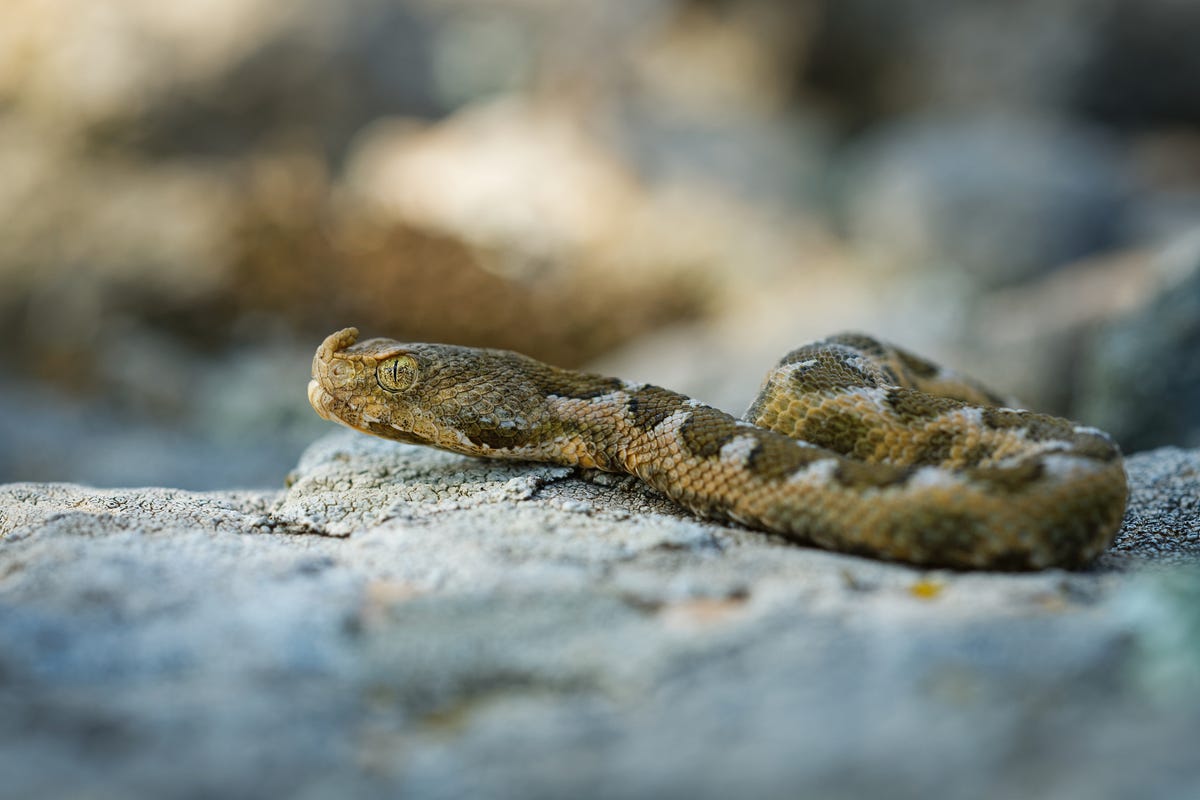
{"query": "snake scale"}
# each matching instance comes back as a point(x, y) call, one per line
point(852, 445)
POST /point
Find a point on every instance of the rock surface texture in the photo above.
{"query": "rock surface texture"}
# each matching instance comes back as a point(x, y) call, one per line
point(405, 622)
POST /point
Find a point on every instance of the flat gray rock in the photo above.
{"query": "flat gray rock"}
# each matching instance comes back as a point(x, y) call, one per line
point(405, 622)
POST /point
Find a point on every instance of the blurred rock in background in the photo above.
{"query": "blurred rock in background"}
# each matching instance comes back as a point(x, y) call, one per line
point(1141, 374)
point(970, 195)
point(192, 194)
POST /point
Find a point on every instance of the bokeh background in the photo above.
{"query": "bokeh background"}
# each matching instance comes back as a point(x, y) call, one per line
point(193, 193)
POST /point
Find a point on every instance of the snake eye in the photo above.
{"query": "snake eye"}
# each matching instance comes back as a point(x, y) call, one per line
point(397, 374)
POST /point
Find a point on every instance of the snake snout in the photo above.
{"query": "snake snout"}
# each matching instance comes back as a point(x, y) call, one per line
point(317, 398)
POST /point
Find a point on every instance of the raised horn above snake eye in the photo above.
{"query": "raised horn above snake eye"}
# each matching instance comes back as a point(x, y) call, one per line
point(397, 374)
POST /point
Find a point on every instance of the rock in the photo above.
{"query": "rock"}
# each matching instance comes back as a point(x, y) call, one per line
point(1139, 378)
point(405, 621)
point(215, 77)
point(1000, 199)
point(1029, 337)
point(1142, 72)
point(876, 58)
point(167, 416)
point(1162, 521)
point(1122, 62)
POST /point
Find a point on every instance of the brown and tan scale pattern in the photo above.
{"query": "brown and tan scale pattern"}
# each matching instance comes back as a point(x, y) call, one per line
point(852, 445)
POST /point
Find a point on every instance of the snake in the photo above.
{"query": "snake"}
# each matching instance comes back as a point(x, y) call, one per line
point(852, 445)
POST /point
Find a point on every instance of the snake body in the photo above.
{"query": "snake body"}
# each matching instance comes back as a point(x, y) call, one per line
point(852, 445)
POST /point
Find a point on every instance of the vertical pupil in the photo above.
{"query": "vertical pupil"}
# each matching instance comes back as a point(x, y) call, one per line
point(396, 372)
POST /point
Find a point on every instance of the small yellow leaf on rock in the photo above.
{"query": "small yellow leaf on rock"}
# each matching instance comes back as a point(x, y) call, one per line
point(926, 589)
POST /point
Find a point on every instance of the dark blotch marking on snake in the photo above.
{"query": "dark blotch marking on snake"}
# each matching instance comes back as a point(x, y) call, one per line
point(705, 433)
point(496, 437)
point(650, 406)
point(776, 457)
point(583, 387)
point(828, 374)
point(909, 404)
point(841, 432)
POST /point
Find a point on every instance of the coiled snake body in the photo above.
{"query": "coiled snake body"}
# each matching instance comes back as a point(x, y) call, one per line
point(852, 445)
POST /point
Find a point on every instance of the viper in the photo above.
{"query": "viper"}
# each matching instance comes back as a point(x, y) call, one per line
point(852, 445)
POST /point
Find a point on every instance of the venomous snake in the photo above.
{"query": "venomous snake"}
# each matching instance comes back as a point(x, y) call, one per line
point(852, 445)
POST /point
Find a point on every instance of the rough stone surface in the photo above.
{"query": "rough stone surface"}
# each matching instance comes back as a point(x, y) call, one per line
point(404, 622)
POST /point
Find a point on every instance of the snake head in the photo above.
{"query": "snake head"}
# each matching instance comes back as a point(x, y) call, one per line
point(468, 400)
point(370, 386)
